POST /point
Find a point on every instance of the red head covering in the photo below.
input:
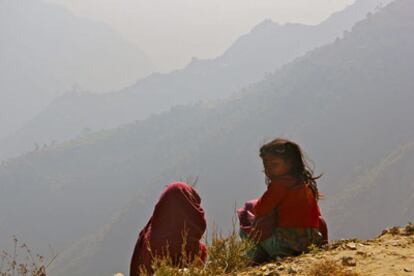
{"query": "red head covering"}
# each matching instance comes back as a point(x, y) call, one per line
point(177, 213)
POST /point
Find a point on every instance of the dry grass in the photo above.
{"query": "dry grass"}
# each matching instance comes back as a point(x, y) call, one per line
point(329, 268)
point(409, 229)
point(22, 262)
point(226, 254)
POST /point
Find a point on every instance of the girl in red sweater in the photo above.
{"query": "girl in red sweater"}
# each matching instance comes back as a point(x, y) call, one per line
point(286, 219)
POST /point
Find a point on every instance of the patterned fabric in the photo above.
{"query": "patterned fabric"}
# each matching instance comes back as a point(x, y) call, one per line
point(283, 242)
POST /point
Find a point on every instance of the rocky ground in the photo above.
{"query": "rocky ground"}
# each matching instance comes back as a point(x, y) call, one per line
point(392, 253)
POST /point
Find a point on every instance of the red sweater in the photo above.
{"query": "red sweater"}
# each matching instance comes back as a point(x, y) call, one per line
point(296, 204)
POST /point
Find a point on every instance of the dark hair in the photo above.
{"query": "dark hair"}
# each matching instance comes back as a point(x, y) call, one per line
point(291, 152)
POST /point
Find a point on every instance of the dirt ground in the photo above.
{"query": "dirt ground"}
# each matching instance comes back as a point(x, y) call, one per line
point(392, 253)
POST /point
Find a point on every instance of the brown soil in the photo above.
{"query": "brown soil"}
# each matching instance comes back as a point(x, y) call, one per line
point(392, 253)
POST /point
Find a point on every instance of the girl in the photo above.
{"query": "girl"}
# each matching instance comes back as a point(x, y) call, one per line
point(178, 221)
point(285, 220)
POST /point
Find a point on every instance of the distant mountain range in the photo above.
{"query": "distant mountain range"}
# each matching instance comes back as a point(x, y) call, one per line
point(253, 56)
point(45, 50)
point(349, 104)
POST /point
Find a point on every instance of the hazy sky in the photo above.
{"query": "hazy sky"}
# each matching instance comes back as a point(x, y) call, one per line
point(173, 31)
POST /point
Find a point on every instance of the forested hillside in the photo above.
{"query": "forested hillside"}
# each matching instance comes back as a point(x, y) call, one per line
point(45, 50)
point(349, 104)
point(263, 50)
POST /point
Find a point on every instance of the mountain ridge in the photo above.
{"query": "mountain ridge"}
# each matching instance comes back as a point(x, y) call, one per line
point(45, 49)
point(247, 61)
point(335, 102)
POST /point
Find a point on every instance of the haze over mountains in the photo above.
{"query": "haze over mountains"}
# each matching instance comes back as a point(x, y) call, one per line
point(349, 104)
point(266, 48)
point(172, 32)
point(46, 50)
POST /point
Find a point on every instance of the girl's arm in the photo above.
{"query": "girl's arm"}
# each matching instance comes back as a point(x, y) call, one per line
point(269, 200)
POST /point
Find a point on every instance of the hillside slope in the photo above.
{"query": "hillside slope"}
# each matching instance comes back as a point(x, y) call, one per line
point(383, 186)
point(263, 50)
point(391, 253)
point(349, 104)
point(45, 50)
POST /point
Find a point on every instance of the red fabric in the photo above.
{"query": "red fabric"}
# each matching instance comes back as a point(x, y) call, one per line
point(177, 210)
point(296, 205)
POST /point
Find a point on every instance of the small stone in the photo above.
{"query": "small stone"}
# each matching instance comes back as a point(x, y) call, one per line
point(348, 261)
point(351, 246)
point(407, 270)
point(271, 266)
point(184, 270)
point(281, 268)
point(271, 273)
point(291, 271)
point(361, 253)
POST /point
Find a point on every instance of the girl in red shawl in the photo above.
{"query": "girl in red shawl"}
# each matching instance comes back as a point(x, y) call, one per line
point(286, 219)
point(177, 215)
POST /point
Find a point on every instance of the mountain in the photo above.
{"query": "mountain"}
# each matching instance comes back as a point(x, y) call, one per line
point(349, 104)
point(253, 56)
point(45, 50)
point(388, 187)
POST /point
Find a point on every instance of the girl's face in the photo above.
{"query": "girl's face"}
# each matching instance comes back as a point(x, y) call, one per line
point(275, 166)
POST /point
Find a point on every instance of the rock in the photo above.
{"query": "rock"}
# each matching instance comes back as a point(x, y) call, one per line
point(271, 273)
point(291, 271)
point(348, 261)
point(351, 246)
point(407, 270)
point(269, 270)
point(184, 270)
point(272, 266)
point(361, 253)
point(263, 268)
